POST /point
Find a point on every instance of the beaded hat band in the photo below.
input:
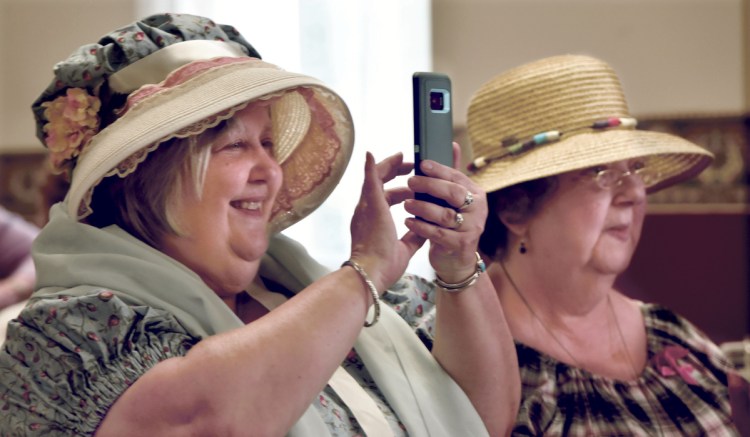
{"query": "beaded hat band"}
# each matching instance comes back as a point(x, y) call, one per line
point(562, 114)
point(511, 146)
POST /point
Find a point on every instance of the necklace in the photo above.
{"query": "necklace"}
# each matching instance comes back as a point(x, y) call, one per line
point(629, 358)
point(573, 359)
point(631, 361)
point(539, 319)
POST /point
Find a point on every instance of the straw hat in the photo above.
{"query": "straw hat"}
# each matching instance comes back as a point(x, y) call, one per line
point(183, 74)
point(561, 114)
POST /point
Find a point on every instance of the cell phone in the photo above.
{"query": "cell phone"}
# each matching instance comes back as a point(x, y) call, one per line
point(433, 123)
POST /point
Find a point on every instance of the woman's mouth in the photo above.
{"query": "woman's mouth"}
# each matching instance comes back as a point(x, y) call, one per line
point(247, 205)
point(621, 232)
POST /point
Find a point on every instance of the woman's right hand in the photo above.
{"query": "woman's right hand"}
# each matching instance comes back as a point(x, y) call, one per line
point(375, 244)
point(453, 244)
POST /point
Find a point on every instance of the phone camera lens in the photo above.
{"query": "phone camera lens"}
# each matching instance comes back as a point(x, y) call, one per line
point(436, 101)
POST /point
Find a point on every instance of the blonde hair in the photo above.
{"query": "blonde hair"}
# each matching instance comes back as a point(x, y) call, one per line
point(143, 203)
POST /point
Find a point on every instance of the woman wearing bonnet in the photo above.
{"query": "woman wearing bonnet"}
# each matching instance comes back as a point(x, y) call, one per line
point(167, 301)
point(567, 176)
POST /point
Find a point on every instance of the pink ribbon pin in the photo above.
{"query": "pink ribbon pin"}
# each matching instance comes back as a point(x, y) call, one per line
point(667, 365)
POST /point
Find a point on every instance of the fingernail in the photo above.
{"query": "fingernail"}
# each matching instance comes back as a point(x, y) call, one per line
point(427, 165)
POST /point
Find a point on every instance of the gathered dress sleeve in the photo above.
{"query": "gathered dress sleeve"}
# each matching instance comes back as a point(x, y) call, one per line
point(67, 360)
point(413, 298)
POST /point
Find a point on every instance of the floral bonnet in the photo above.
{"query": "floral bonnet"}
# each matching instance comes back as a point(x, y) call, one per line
point(173, 76)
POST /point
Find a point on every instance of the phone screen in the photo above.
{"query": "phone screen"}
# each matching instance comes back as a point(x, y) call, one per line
point(433, 122)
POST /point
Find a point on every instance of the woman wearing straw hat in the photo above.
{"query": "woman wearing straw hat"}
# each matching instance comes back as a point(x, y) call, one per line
point(567, 176)
point(167, 302)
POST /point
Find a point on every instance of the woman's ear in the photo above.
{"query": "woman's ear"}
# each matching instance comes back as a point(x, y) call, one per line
point(515, 222)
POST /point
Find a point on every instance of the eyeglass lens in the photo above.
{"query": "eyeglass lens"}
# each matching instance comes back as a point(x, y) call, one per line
point(613, 177)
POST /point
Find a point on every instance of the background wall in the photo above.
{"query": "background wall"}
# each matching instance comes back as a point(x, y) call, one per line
point(35, 34)
point(674, 56)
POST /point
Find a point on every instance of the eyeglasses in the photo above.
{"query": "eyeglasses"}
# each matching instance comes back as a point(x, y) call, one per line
point(608, 177)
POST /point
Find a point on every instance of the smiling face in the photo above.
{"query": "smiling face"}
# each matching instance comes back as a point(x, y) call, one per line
point(223, 230)
point(581, 225)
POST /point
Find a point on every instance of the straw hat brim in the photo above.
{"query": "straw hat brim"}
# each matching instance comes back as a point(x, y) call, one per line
point(160, 116)
point(672, 159)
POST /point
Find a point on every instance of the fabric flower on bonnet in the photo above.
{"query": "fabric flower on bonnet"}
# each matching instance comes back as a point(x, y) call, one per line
point(73, 119)
point(67, 113)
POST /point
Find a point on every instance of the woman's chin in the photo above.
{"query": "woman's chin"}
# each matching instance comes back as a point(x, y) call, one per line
point(613, 266)
point(252, 251)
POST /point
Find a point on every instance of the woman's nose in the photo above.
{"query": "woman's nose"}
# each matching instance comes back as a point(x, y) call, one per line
point(266, 167)
point(630, 189)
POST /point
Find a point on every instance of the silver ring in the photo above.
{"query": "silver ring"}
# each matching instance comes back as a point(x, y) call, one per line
point(468, 200)
point(459, 220)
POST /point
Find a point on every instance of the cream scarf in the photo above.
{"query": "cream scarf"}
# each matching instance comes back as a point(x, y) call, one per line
point(75, 259)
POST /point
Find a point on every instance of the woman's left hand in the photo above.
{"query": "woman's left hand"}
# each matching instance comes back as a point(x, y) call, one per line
point(375, 244)
point(453, 231)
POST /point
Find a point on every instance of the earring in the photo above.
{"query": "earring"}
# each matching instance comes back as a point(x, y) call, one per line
point(522, 248)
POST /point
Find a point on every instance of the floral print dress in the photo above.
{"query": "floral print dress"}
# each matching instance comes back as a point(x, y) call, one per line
point(115, 343)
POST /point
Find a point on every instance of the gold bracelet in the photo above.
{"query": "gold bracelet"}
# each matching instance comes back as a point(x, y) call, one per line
point(466, 283)
point(370, 286)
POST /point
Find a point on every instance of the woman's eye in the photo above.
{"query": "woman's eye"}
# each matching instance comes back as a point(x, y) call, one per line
point(232, 145)
point(637, 165)
point(268, 146)
point(595, 170)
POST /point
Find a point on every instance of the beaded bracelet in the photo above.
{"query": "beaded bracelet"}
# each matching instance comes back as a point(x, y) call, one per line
point(370, 286)
point(466, 283)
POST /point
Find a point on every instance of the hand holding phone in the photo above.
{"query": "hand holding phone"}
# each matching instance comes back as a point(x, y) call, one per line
point(433, 123)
